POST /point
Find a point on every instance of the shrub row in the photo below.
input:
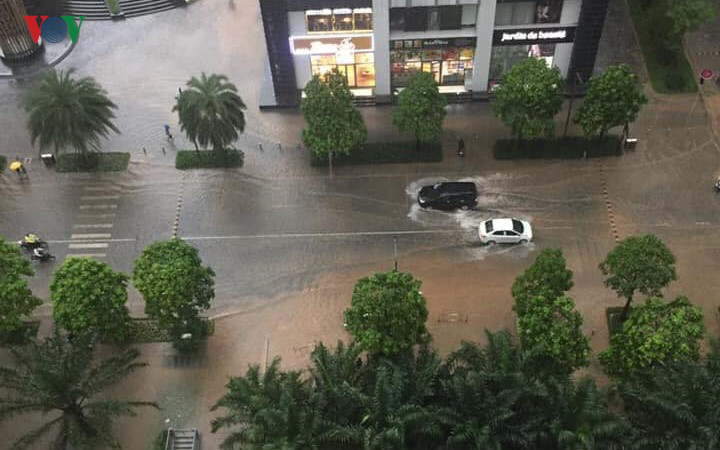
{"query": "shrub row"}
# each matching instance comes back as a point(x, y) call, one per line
point(205, 159)
point(148, 330)
point(386, 152)
point(93, 162)
point(561, 148)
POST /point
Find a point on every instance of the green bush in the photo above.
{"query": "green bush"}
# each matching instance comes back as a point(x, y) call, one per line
point(113, 6)
point(149, 330)
point(207, 159)
point(560, 148)
point(3, 162)
point(20, 336)
point(385, 152)
point(159, 442)
point(93, 162)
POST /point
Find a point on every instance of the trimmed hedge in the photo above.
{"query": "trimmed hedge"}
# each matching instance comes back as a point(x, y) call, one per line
point(560, 148)
point(27, 331)
point(3, 162)
point(208, 159)
point(385, 152)
point(93, 162)
point(148, 330)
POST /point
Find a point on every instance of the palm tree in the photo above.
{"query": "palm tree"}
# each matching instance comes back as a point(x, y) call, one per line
point(676, 408)
point(55, 376)
point(211, 111)
point(68, 112)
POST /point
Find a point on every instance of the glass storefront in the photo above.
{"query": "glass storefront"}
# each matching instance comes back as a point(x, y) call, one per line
point(339, 19)
point(357, 68)
point(504, 57)
point(450, 66)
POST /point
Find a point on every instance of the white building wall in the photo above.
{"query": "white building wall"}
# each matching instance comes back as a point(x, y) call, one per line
point(296, 23)
point(570, 12)
point(483, 48)
point(381, 36)
point(561, 60)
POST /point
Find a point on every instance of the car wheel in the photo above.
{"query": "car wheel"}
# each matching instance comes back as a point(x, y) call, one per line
point(464, 207)
point(523, 241)
point(490, 242)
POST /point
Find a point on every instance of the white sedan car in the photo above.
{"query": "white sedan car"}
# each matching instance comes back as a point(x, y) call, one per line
point(505, 231)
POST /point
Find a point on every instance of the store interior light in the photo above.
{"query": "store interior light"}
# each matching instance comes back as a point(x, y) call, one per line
point(362, 10)
point(319, 12)
point(342, 11)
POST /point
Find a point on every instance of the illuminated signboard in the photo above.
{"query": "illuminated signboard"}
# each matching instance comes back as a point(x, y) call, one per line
point(534, 36)
point(323, 45)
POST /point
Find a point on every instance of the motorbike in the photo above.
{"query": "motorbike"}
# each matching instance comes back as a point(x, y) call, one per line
point(42, 254)
point(716, 187)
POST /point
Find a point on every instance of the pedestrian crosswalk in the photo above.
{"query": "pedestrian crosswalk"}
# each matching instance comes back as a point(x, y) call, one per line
point(92, 231)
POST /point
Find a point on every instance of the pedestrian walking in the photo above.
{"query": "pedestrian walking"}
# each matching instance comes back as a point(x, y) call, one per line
point(18, 167)
point(167, 131)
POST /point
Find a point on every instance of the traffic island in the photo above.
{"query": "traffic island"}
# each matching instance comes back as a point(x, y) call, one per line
point(558, 148)
point(93, 162)
point(209, 159)
point(384, 153)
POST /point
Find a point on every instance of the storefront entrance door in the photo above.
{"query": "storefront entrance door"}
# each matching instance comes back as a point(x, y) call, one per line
point(434, 68)
point(348, 70)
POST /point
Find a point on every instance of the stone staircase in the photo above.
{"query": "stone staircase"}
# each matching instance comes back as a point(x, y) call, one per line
point(98, 10)
point(182, 439)
point(462, 97)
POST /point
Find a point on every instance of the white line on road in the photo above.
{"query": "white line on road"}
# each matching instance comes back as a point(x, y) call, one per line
point(702, 223)
point(98, 206)
point(96, 188)
point(87, 255)
point(96, 216)
point(311, 235)
point(89, 245)
point(99, 197)
point(93, 225)
point(91, 236)
point(70, 241)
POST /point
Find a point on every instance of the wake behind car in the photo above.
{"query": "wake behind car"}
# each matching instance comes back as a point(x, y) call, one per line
point(448, 195)
point(505, 231)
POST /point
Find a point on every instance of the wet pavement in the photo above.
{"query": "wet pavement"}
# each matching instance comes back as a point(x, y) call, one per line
point(288, 242)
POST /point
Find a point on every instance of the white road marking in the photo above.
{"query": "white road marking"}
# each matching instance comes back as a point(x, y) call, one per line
point(96, 216)
point(702, 223)
point(93, 225)
point(70, 241)
point(91, 236)
point(98, 206)
point(87, 255)
point(96, 188)
point(99, 197)
point(311, 235)
point(89, 245)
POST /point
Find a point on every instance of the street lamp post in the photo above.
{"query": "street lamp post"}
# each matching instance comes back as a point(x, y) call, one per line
point(395, 251)
point(572, 99)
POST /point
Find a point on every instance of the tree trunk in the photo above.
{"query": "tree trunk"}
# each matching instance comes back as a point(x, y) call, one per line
point(196, 146)
point(330, 163)
point(417, 144)
point(626, 309)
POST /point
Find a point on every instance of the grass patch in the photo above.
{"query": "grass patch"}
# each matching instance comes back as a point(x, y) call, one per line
point(670, 71)
point(113, 6)
point(148, 330)
point(3, 163)
point(384, 153)
point(93, 162)
point(557, 148)
point(208, 159)
point(27, 331)
point(614, 319)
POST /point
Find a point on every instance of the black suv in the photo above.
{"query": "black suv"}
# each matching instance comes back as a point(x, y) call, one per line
point(450, 195)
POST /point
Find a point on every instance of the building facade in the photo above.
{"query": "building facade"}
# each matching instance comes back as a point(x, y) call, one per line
point(467, 45)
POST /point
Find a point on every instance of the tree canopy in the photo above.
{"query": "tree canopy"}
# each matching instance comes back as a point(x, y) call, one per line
point(88, 297)
point(547, 277)
point(387, 313)
point(69, 112)
point(420, 108)
point(529, 97)
point(612, 99)
point(656, 333)
point(16, 298)
point(334, 124)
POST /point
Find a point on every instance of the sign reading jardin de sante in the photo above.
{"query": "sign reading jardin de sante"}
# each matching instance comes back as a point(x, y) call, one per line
point(534, 36)
point(54, 29)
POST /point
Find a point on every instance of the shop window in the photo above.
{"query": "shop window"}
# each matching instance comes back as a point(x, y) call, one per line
point(416, 19)
point(450, 17)
point(433, 15)
point(342, 19)
point(359, 70)
point(449, 67)
point(548, 11)
point(339, 19)
point(397, 19)
point(512, 12)
point(362, 19)
point(319, 21)
point(469, 16)
point(504, 57)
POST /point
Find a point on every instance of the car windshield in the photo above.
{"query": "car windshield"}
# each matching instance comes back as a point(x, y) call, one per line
point(518, 226)
point(489, 226)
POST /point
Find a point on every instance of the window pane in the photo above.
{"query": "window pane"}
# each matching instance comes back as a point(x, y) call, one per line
point(548, 11)
point(503, 13)
point(433, 19)
point(365, 75)
point(523, 13)
point(469, 15)
point(363, 21)
point(343, 22)
point(319, 22)
point(365, 57)
point(397, 19)
point(450, 17)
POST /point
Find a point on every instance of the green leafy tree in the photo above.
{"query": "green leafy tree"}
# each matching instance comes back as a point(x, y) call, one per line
point(548, 277)
point(421, 109)
point(641, 264)
point(656, 333)
point(88, 297)
point(529, 97)
point(69, 112)
point(176, 288)
point(56, 376)
point(334, 124)
point(685, 15)
point(16, 299)
point(612, 99)
point(675, 406)
point(211, 112)
point(551, 332)
point(387, 313)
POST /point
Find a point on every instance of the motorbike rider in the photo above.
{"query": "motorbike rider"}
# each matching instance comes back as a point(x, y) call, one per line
point(717, 185)
point(32, 240)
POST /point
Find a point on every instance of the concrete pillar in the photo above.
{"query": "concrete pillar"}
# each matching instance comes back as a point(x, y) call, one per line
point(483, 49)
point(381, 36)
point(16, 42)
